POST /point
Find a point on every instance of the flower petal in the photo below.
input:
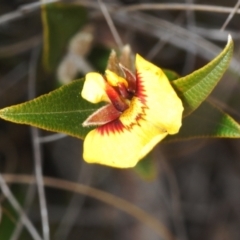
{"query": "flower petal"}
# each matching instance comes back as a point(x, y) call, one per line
point(114, 145)
point(164, 107)
point(94, 88)
point(114, 79)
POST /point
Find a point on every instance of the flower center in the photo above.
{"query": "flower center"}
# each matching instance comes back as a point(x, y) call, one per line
point(120, 90)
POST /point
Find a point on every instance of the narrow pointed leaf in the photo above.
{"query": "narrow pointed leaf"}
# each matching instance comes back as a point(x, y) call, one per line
point(62, 110)
point(209, 122)
point(60, 22)
point(194, 88)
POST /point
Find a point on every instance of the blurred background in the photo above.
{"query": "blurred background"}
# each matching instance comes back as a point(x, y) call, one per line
point(192, 188)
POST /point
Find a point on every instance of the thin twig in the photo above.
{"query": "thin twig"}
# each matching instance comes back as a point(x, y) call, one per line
point(8, 194)
point(190, 58)
point(74, 206)
point(28, 8)
point(37, 147)
point(158, 27)
point(162, 42)
point(20, 47)
point(230, 16)
point(28, 201)
point(175, 202)
point(110, 24)
point(214, 33)
point(51, 138)
point(23, 11)
point(105, 197)
point(177, 7)
point(31, 6)
point(224, 105)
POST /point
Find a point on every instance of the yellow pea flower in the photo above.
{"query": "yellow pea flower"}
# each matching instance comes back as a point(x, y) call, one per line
point(141, 109)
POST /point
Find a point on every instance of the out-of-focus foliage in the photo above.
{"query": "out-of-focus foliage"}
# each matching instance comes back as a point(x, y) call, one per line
point(60, 22)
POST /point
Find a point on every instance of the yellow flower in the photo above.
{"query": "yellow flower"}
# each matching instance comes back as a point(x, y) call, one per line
point(140, 111)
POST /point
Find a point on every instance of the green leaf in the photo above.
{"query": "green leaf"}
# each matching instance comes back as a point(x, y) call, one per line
point(60, 22)
point(62, 110)
point(194, 88)
point(171, 75)
point(146, 168)
point(207, 121)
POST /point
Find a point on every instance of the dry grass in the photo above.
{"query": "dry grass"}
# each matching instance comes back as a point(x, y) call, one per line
point(195, 194)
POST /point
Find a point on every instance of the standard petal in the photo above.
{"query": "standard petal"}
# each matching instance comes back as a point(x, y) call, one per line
point(164, 107)
point(114, 145)
point(94, 88)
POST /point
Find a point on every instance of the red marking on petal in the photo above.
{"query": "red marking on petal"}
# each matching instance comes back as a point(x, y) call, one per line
point(102, 116)
point(140, 90)
point(115, 126)
point(140, 116)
